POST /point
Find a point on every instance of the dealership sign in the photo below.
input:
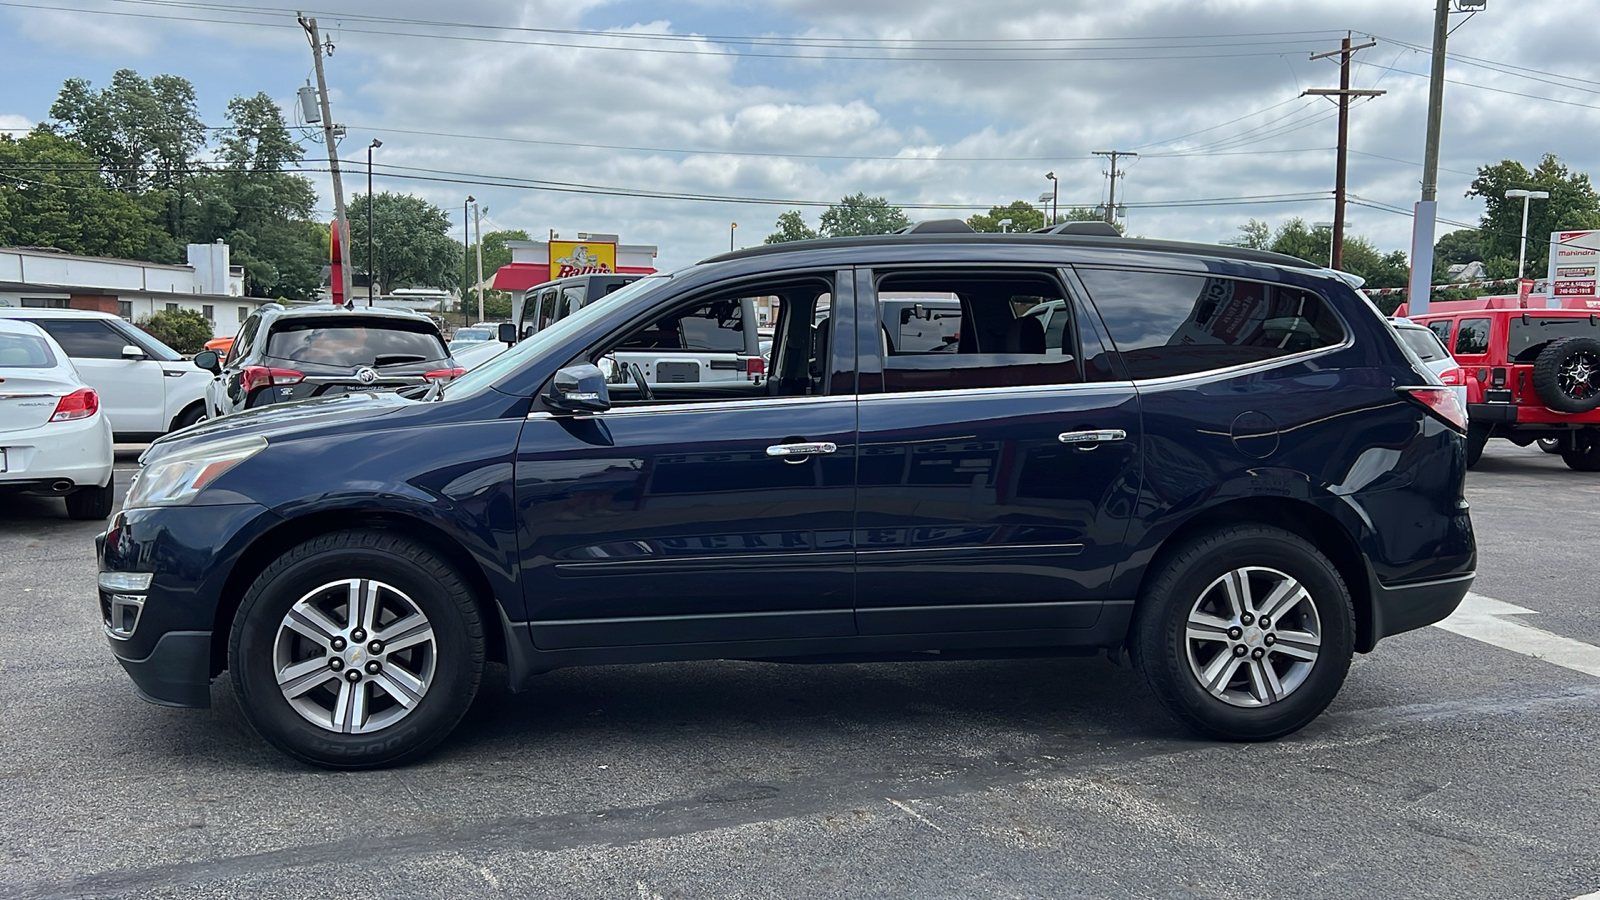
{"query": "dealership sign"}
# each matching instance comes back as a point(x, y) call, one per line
point(1574, 258)
point(569, 258)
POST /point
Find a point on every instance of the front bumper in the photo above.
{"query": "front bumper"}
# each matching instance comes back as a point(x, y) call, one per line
point(176, 673)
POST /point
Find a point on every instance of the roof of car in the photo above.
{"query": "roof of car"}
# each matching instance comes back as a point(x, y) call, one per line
point(1084, 241)
point(328, 309)
point(30, 312)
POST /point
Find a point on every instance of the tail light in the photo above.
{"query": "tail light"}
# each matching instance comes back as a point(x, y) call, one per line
point(755, 366)
point(80, 404)
point(253, 377)
point(1442, 402)
point(445, 374)
point(1454, 376)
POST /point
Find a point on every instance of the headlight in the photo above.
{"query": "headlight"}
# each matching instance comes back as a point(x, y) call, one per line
point(174, 479)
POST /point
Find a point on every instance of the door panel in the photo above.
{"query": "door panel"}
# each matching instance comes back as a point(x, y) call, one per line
point(672, 523)
point(133, 392)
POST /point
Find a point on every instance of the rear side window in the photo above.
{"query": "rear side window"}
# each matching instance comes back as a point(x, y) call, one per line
point(246, 338)
point(24, 351)
point(85, 338)
point(1423, 343)
point(1472, 337)
point(1168, 324)
point(715, 327)
point(345, 343)
point(1442, 329)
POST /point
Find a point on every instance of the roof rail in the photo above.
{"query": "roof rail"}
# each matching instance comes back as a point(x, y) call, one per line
point(937, 226)
point(1104, 229)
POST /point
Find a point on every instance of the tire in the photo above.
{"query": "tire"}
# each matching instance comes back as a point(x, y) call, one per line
point(92, 503)
point(1566, 374)
point(1583, 454)
point(1550, 445)
point(320, 581)
point(193, 414)
point(1186, 598)
point(1477, 437)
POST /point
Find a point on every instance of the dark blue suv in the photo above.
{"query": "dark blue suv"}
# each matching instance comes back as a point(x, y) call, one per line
point(1221, 461)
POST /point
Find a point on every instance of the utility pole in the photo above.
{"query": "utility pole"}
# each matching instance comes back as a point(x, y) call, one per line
point(477, 240)
point(339, 217)
point(1111, 207)
point(1427, 211)
point(466, 256)
point(1344, 93)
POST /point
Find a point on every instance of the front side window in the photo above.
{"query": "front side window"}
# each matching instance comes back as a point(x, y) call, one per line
point(1441, 328)
point(963, 330)
point(1472, 337)
point(571, 301)
point(1167, 324)
point(85, 338)
point(247, 337)
point(713, 327)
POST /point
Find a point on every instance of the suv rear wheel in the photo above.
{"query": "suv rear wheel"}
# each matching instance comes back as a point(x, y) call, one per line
point(1245, 633)
point(356, 649)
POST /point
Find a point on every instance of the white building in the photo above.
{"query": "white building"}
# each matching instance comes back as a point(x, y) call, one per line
point(134, 290)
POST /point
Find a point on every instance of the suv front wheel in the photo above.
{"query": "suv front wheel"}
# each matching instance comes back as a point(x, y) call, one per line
point(1245, 633)
point(356, 649)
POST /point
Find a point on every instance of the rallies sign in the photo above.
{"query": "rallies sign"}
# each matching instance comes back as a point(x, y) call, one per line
point(569, 258)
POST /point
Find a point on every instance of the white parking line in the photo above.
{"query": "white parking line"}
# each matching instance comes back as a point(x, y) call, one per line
point(1484, 619)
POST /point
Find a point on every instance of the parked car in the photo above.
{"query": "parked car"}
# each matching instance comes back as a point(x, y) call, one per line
point(146, 388)
point(1530, 374)
point(474, 355)
point(322, 351)
point(54, 437)
point(1426, 345)
point(1225, 464)
point(465, 337)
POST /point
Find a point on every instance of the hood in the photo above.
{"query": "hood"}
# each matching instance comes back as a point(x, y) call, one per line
point(282, 420)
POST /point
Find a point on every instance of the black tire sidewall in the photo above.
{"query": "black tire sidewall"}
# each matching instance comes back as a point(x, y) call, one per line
point(90, 504)
point(459, 652)
point(1162, 648)
point(1582, 452)
point(1547, 370)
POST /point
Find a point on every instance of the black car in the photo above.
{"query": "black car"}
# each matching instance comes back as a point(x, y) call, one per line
point(322, 351)
point(1221, 461)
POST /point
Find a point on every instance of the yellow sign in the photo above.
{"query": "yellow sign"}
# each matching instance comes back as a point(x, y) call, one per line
point(581, 258)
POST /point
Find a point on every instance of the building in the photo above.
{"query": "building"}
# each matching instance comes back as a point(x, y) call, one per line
point(536, 262)
point(134, 290)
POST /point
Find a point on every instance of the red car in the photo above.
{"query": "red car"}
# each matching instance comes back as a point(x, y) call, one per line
point(1532, 373)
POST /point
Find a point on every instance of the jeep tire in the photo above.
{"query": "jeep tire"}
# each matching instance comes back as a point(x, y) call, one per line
point(1566, 374)
point(1581, 452)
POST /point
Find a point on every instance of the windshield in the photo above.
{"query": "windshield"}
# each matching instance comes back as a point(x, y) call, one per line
point(482, 376)
point(472, 334)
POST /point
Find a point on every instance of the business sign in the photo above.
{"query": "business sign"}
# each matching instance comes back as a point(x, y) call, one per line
point(569, 258)
point(1574, 258)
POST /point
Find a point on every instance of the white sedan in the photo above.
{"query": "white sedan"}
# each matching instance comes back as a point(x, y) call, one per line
point(54, 437)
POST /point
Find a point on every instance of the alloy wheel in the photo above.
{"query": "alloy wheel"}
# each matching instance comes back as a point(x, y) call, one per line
point(354, 656)
point(1253, 636)
point(1578, 376)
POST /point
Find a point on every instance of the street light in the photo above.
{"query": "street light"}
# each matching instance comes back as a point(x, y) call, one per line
point(731, 228)
point(1522, 247)
point(1329, 226)
point(370, 147)
point(1055, 196)
point(466, 254)
point(1005, 225)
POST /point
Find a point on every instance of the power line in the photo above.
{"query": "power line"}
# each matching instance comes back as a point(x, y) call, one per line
point(1483, 87)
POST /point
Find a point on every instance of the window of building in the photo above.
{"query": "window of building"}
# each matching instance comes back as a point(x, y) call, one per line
point(244, 313)
point(172, 307)
point(46, 303)
point(1168, 324)
point(1472, 337)
point(962, 330)
point(125, 309)
point(210, 312)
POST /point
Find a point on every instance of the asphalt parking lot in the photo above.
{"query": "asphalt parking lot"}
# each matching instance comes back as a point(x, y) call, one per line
point(1454, 764)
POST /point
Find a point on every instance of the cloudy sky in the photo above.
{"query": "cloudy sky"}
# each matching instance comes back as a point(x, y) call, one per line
point(931, 104)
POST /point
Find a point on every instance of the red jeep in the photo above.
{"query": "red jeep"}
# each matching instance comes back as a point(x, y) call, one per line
point(1532, 373)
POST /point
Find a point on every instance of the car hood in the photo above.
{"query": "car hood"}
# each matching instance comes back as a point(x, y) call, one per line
point(282, 420)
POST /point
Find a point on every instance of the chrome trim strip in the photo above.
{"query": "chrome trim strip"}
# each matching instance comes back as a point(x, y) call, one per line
point(21, 396)
point(723, 405)
point(1043, 604)
point(1245, 368)
point(1003, 391)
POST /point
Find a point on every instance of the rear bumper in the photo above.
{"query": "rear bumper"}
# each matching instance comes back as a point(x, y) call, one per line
point(1406, 607)
point(1491, 413)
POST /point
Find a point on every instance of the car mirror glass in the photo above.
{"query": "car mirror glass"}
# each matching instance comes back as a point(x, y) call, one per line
point(611, 369)
point(580, 388)
point(207, 359)
point(506, 333)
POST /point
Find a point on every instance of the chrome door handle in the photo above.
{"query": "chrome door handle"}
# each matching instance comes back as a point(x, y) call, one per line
point(798, 452)
point(1089, 439)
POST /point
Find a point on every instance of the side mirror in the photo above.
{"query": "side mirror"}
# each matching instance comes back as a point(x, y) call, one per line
point(612, 370)
point(580, 388)
point(506, 333)
point(207, 359)
point(132, 352)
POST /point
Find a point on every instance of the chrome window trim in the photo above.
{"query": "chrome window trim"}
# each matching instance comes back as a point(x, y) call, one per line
point(692, 406)
point(1001, 391)
point(1250, 368)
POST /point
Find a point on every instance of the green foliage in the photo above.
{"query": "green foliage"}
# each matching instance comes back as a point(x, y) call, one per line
point(791, 227)
point(411, 243)
point(496, 304)
point(1084, 214)
point(495, 253)
point(1024, 216)
point(861, 214)
point(1573, 205)
point(1464, 245)
point(53, 195)
point(1253, 235)
point(184, 330)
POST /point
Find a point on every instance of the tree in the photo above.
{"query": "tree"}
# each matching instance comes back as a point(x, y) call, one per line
point(1253, 235)
point(862, 215)
point(53, 195)
point(1573, 206)
point(184, 330)
point(1464, 245)
point(412, 245)
point(1024, 216)
point(791, 227)
point(262, 212)
point(495, 251)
